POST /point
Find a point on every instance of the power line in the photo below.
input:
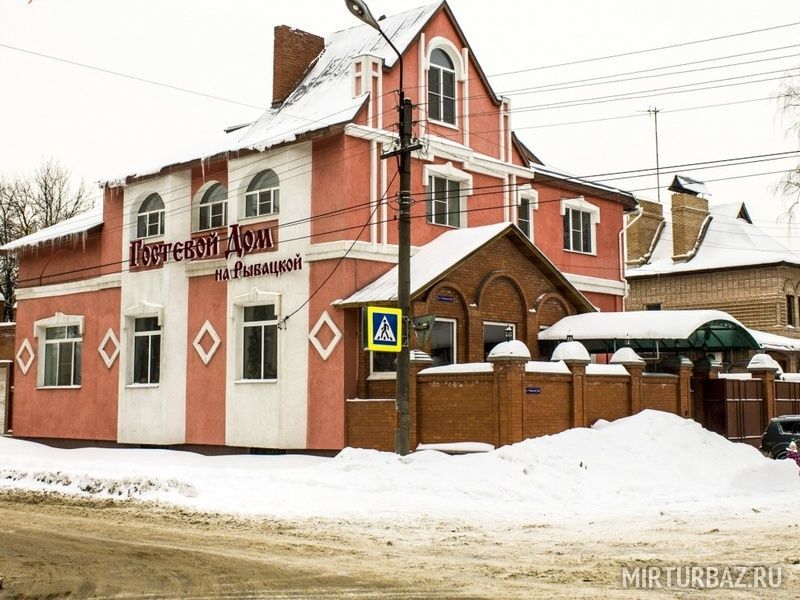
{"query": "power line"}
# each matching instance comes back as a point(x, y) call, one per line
point(646, 50)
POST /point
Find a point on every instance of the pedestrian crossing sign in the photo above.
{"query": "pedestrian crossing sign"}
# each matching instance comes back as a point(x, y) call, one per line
point(384, 329)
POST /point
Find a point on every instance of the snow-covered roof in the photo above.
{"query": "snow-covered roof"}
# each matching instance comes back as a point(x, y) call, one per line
point(429, 262)
point(545, 172)
point(436, 258)
point(323, 98)
point(729, 241)
point(72, 227)
point(772, 341)
point(673, 329)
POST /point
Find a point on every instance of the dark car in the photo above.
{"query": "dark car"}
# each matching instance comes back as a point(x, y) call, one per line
point(778, 434)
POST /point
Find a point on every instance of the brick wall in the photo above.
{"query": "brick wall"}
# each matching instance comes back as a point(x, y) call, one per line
point(370, 424)
point(688, 214)
point(641, 233)
point(507, 405)
point(755, 296)
point(294, 51)
point(452, 407)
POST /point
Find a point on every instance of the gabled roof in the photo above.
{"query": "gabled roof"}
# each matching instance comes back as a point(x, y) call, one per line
point(730, 241)
point(649, 330)
point(549, 174)
point(436, 259)
point(69, 228)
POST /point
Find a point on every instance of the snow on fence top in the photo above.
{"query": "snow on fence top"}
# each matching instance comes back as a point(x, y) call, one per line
point(459, 368)
point(538, 366)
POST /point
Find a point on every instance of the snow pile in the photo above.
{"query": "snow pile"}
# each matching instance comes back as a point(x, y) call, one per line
point(649, 461)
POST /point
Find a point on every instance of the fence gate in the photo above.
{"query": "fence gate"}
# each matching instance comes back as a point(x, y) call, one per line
point(734, 408)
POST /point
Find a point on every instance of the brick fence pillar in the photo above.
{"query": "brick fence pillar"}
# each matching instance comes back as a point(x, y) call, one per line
point(764, 367)
point(509, 360)
point(576, 357)
point(682, 367)
point(634, 364)
point(419, 360)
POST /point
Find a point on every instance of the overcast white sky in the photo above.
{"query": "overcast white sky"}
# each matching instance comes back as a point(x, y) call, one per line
point(100, 125)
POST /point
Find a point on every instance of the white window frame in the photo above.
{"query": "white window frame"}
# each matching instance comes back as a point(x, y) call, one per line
point(580, 204)
point(449, 172)
point(141, 310)
point(40, 328)
point(255, 297)
point(454, 54)
point(527, 194)
point(377, 375)
point(149, 334)
point(159, 222)
point(454, 322)
point(203, 205)
point(274, 197)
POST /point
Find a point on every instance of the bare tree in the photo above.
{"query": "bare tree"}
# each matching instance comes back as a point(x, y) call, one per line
point(790, 184)
point(29, 203)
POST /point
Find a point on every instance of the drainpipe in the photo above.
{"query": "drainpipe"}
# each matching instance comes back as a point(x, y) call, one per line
point(623, 251)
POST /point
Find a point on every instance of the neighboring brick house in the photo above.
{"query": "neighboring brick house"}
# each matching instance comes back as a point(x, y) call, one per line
point(713, 256)
point(200, 303)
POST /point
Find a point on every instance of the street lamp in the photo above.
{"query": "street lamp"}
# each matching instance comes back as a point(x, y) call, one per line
point(401, 441)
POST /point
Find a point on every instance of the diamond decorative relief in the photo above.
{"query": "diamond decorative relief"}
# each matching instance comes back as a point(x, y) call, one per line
point(111, 340)
point(323, 320)
point(206, 355)
point(25, 365)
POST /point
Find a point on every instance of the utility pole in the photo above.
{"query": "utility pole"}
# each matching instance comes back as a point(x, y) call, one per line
point(654, 111)
point(403, 152)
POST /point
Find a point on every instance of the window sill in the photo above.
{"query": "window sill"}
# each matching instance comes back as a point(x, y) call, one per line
point(259, 218)
point(153, 239)
point(208, 229)
point(382, 377)
point(255, 381)
point(444, 225)
point(135, 386)
point(443, 124)
point(59, 387)
point(579, 252)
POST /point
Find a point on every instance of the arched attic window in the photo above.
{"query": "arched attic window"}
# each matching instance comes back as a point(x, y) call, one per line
point(150, 217)
point(441, 88)
point(214, 207)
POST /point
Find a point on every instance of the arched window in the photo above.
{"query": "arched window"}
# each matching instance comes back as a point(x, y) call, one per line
point(150, 218)
point(441, 88)
point(214, 207)
point(262, 197)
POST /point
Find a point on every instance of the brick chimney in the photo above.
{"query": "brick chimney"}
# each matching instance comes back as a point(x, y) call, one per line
point(294, 51)
point(689, 215)
point(642, 232)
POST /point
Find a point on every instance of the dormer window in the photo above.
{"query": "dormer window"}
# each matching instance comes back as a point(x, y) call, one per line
point(441, 88)
point(150, 218)
point(214, 207)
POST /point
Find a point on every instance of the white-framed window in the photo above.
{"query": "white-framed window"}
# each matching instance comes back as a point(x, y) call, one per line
point(62, 356)
point(263, 195)
point(580, 221)
point(260, 342)
point(444, 201)
point(144, 338)
point(383, 365)
point(443, 342)
point(527, 202)
point(60, 348)
point(146, 350)
point(150, 217)
point(441, 87)
point(213, 208)
point(495, 333)
point(524, 217)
